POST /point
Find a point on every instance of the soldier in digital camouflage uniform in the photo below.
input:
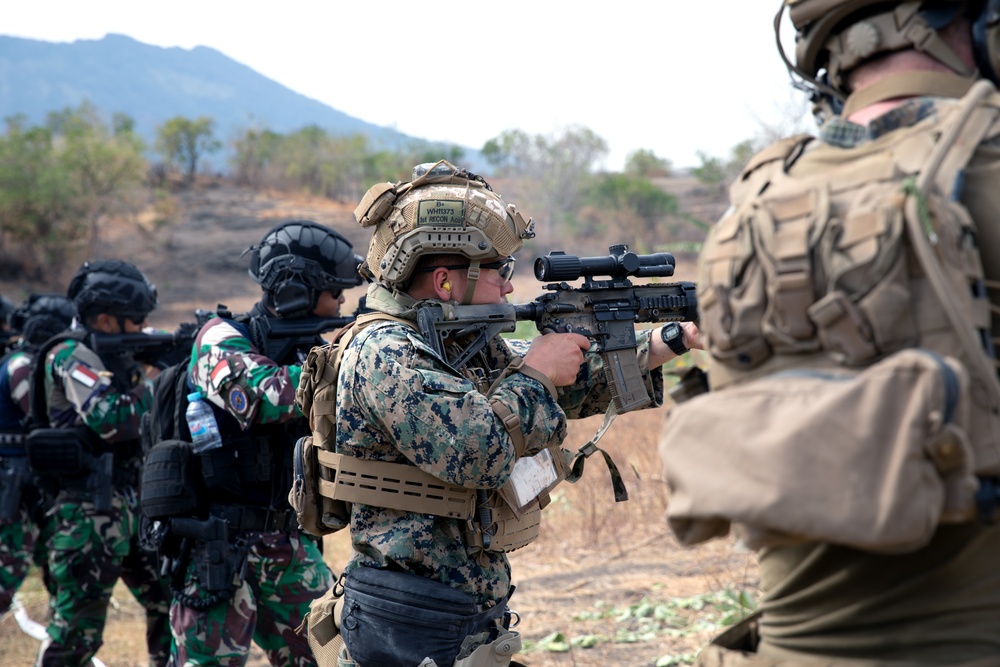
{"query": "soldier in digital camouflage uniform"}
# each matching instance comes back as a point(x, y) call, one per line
point(399, 401)
point(97, 401)
point(23, 507)
point(303, 269)
point(848, 258)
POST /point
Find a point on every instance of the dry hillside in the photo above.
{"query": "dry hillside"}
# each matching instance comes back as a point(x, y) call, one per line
point(606, 583)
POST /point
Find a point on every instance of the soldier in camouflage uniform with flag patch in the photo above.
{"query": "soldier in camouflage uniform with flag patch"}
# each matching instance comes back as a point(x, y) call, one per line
point(22, 502)
point(420, 584)
point(94, 404)
point(272, 571)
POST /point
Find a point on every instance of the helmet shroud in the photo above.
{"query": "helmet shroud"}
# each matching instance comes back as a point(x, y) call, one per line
point(299, 259)
point(112, 286)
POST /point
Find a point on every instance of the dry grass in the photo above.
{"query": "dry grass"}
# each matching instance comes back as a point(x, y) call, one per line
point(602, 573)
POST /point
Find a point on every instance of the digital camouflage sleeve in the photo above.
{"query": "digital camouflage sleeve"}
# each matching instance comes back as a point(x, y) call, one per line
point(397, 401)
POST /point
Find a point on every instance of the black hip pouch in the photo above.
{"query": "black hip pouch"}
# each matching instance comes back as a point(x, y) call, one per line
point(396, 618)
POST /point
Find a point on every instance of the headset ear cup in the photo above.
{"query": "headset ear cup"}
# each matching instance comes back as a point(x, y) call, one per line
point(986, 40)
point(293, 299)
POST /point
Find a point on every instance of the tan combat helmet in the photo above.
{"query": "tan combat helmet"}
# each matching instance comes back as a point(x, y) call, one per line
point(835, 36)
point(443, 209)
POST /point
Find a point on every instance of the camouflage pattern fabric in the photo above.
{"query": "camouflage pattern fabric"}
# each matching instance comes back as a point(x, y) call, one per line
point(22, 543)
point(233, 375)
point(285, 572)
point(19, 540)
point(88, 552)
point(82, 390)
point(399, 402)
point(14, 376)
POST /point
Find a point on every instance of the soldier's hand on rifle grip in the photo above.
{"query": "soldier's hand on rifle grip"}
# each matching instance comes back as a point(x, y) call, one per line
point(558, 356)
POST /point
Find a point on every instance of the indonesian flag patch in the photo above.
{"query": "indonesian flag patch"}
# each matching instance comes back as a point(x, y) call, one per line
point(83, 374)
point(220, 372)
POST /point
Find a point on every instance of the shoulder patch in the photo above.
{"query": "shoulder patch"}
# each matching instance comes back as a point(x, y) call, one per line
point(220, 372)
point(84, 374)
point(237, 399)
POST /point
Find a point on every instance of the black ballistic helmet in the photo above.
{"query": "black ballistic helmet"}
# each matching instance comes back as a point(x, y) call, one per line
point(42, 316)
point(299, 259)
point(112, 286)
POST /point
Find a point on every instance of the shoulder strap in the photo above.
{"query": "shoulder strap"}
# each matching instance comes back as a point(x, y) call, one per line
point(953, 150)
point(38, 409)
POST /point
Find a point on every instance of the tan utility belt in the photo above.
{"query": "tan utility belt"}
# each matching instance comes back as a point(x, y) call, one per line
point(403, 487)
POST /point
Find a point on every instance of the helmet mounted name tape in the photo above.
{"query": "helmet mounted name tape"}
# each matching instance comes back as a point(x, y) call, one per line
point(443, 210)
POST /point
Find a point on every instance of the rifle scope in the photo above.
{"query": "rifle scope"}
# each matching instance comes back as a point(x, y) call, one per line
point(557, 265)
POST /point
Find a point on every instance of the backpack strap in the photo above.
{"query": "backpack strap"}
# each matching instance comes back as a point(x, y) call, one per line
point(38, 409)
point(953, 150)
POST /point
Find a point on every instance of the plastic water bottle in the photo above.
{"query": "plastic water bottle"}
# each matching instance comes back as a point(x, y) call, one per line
point(201, 422)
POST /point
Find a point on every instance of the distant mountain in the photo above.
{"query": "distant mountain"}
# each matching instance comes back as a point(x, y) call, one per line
point(152, 84)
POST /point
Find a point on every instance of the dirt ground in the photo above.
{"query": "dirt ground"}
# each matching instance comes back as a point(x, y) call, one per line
point(605, 584)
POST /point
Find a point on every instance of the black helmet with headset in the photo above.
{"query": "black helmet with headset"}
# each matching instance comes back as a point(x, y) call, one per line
point(42, 316)
point(112, 286)
point(299, 259)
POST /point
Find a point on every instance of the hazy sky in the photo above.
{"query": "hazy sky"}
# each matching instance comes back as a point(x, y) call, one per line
point(672, 76)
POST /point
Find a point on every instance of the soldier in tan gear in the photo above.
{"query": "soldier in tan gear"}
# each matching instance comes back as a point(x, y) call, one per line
point(427, 581)
point(849, 304)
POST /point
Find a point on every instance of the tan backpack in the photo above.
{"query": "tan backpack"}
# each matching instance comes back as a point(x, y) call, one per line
point(814, 290)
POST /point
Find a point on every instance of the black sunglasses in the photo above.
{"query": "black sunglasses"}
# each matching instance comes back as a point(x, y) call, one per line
point(505, 267)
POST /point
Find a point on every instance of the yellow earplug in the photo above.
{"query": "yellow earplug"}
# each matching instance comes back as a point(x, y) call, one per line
point(446, 285)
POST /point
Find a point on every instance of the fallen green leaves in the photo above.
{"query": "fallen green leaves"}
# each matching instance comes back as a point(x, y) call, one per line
point(648, 619)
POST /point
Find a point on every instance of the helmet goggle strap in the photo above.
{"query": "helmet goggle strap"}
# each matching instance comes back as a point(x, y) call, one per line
point(472, 277)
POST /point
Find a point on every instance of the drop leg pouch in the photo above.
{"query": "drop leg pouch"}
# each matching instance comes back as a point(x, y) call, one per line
point(396, 618)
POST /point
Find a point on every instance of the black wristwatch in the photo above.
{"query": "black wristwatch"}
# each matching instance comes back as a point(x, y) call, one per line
point(672, 334)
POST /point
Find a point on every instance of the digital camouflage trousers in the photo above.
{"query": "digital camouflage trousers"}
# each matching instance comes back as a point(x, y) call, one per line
point(88, 553)
point(284, 573)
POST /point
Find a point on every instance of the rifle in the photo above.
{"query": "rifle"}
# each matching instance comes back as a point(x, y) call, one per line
point(277, 337)
point(161, 350)
point(605, 311)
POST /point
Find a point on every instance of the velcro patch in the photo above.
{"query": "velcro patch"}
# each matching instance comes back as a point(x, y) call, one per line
point(237, 400)
point(220, 372)
point(84, 374)
point(441, 212)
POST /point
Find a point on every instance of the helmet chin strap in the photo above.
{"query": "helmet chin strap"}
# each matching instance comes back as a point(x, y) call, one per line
point(470, 283)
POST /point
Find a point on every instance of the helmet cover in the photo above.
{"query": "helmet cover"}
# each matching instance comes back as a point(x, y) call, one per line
point(112, 286)
point(42, 316)
point(441, 210)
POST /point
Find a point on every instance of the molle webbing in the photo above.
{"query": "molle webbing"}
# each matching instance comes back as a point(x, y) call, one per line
point(890, 248)
point(395, 486)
